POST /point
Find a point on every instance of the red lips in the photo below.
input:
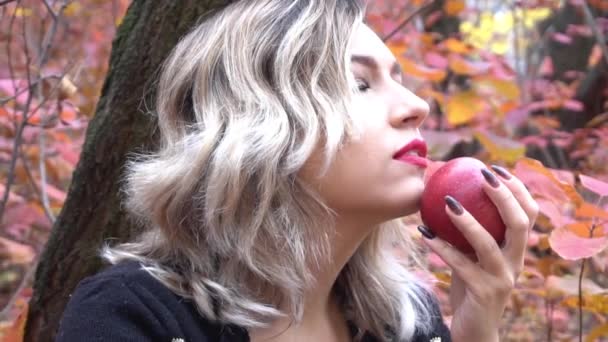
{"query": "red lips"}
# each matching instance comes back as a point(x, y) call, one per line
point(416, 145)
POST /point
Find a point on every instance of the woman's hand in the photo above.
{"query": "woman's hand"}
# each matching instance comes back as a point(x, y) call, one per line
point(480, 290)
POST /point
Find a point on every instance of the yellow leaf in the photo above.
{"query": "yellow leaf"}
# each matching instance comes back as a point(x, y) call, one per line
point(597, 303)
point(453, 7)
point(501, 148)
point(499, 47)
point(462, 107)
point(503, 88)
point(72, 9)
point(437, 96)
point(597, 332)
point(22, 12)
point(503, 22)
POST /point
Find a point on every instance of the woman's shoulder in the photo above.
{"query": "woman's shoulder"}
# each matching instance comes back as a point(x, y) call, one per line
point(125, 303)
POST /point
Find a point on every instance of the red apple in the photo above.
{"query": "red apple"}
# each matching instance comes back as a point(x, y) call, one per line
point(460, 178)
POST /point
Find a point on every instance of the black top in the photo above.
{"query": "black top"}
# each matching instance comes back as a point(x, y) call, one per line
point(125, 303)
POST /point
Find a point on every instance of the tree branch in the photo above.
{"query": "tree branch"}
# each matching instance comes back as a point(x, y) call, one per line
point(2, 3)
point(407, 20)
point(599, 35)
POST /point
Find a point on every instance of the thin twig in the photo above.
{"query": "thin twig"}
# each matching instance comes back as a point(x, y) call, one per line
point(580, 301)
point(49, 38)
point(47, 209)
point(580, 286)
point(18, 137)
point(21, 126)
point(2, 3)
point(19, 92)
point(519, 74)
point(4, 314)
point(407, 20)
point(549, 318)
point(599, 35)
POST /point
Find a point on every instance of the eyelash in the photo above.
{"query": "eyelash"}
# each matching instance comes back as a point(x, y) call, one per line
point(361, 82)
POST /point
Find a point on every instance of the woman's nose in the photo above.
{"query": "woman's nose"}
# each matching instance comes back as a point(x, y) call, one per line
point(409, 110)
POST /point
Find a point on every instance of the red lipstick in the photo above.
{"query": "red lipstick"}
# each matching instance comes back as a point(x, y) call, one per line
point(413, 153)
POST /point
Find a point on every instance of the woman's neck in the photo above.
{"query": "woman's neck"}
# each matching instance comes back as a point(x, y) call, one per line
point(323, 316)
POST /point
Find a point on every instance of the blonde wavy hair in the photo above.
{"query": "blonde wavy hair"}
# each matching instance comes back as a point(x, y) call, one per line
point(243, 100)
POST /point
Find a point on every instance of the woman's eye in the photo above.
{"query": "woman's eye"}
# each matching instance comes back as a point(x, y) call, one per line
point(362, 86)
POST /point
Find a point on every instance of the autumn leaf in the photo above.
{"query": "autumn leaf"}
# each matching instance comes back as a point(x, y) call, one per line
point(542, 182)
point(454, 7)
point(572, 247)
point(411, 68)
point(15, 253)
point(501, 148)
point(590, 211)
point(597, 186)
point(506, 89)
point(584, 229)
point(457, 46)
point(597, 332)
point(568, 285)
point(463, 67)
point(597, 303)
point(462, 107)
point(15, 332)
point(441, 143)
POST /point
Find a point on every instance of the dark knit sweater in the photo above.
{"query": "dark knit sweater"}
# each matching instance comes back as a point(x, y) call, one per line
point(125, 303)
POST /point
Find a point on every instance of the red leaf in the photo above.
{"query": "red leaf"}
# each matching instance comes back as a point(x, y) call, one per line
point(546, 67)
point(574, 105)
point(596, 186)
point(542, 182)
point(562, 38)
point(436, 60)
point(572, 247)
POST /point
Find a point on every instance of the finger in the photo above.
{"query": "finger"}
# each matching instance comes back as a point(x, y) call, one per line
point(461, 265)
point(514, 247)
point(457, 290)
point(487, 250)
point(519, 191)
point(514, 217)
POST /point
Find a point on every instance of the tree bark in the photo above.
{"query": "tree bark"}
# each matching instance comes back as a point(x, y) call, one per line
point(92, 212)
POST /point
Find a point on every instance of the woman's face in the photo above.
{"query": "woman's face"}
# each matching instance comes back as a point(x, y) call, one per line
point(366, 180)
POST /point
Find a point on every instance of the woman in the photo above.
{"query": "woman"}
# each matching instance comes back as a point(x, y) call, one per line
point(276, 190)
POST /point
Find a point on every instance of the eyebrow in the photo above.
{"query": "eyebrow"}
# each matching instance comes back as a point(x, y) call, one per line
point(369, 61)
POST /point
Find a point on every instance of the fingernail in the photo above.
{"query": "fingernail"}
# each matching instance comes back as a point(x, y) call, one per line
point(502, 172)
point(426, 232)
point(455, 207)
point(490, 178)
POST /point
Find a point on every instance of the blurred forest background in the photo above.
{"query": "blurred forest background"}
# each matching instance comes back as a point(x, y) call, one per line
point(522, 84)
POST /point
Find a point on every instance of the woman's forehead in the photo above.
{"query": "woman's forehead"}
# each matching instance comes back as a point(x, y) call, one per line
point(366, 42)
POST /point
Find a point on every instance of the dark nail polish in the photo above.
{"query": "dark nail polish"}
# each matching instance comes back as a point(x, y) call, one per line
point(426, 232)
point(455, 207)
point(490, 178)
point(501, 171)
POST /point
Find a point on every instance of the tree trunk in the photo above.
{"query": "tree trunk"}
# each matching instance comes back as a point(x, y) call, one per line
point(92, 211)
